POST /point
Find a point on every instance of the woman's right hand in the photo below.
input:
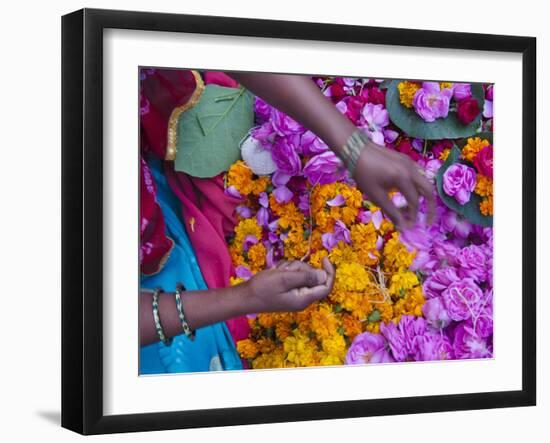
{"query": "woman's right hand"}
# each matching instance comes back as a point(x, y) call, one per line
point(290, 286)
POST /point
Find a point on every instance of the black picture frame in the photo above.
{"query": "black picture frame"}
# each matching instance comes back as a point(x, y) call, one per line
point(82, 218)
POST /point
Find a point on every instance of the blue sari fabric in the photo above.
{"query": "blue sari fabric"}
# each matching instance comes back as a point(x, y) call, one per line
point(213, 347)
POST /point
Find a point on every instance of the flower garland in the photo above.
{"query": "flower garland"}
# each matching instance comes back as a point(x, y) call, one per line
point(423, 294)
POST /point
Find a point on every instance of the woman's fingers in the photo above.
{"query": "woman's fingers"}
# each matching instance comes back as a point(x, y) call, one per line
point(381, 198)
point(427, 190)
point(310, 278)
point(408, 189)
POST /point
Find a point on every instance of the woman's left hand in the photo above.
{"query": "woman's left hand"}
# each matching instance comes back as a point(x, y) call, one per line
point(290, 286)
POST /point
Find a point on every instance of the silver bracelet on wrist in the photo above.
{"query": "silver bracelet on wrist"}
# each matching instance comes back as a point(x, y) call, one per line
point(350, 152)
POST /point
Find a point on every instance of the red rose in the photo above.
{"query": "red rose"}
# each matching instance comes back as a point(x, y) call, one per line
point(405, 147)
point(483, 161)
point(467, 110)
point(374, 95)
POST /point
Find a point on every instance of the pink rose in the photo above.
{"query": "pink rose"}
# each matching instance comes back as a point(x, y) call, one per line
point(459, 181)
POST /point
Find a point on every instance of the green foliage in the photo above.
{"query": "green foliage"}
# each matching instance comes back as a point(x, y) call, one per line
point(209, 133)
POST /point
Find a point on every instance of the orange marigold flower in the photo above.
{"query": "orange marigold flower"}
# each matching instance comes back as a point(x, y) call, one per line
point(247, 348)
point(484, 186)
point(472, 148)
point(486, 206)
point(406, 92)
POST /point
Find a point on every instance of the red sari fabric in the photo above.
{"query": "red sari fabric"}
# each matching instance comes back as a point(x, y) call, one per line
point(209, 214)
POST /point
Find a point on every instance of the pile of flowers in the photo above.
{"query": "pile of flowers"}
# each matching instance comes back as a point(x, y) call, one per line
point(421, 294)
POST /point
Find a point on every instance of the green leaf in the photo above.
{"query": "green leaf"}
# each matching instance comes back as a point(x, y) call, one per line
point(470, 210)
point(412, 124)
point(209, 133)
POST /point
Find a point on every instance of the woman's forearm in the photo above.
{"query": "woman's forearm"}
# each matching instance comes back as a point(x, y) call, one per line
point(201, 308)
point(301, 99)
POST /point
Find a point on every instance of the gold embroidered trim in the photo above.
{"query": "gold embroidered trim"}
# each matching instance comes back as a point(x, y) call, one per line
point(172, 142)
point(162, 261)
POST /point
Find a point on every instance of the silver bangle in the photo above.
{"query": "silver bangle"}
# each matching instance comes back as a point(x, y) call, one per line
point(350, 152)
point(179, 305)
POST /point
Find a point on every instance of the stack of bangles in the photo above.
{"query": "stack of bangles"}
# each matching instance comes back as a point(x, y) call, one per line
point(350, 152)
point(179, 305)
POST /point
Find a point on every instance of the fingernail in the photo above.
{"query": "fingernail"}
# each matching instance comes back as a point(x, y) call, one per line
point(321, 276)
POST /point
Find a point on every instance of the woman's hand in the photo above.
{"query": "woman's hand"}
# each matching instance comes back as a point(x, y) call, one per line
point(290, 286)
point(379, 170)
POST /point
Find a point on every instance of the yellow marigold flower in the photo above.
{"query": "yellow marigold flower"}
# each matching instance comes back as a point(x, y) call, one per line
point(411, 304)
point(234, 281)
point(445, 85)
point(296, 246)
point(245, 227)
point(323, 321)
point(486, 206)
point(316, 258)
point(342, 253)
point(266, 320)
point(300, 350)
point(351, 277)
point(256, 257)
point(260, 185)
point(352, 326)
point(444, 154)
point(363, 239)
point(472, 147)
point(484, 186)
point(283, 330)
point(396, 255)
point(363, 236)
point(240, 176)
point(407, 90)
point(331, 360)
point(247, 348)
point(265, 345)
point(335, 346)
point(402, 281)
point(275, 359)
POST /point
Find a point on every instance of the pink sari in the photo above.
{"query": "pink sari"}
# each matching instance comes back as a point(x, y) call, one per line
point(208, 213)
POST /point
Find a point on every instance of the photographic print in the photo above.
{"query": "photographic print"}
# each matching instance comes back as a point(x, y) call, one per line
point(292, 221)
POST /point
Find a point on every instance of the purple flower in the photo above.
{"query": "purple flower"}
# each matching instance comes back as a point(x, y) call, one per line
point(243, 272)
point(263, 199)
point(249, 240)
point(279, 178)
point(435, 313)
point(431, 168)
point(390, 135)
point(396, 340)
point(452, 222)
point(324, 168)
point(244, 211)
point(430, 102)
point(463, 299)
point(488, 109)
point(459, 181)
point(286, 158)
point(282, 194)
point(473, 263)
point(262, 216)
point(283, 124)
point(311, 144)
point(341, 233)
point(368, 348)
point(462, 91)
point(339, 200)
point(262, 109)
point(468, 344)
point(376, 118)
point(440, 280)
point(433, 346)
point(232, 192)
point(367, 216)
